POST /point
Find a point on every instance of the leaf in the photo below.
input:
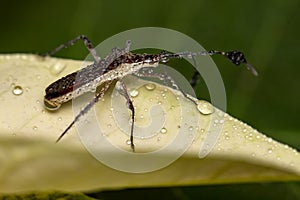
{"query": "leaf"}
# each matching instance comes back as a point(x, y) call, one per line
point(31, 160)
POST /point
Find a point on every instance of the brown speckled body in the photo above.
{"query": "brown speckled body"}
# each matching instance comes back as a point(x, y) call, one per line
point(90, 77)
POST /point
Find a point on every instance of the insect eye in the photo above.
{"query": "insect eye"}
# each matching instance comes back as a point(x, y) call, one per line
point(51, 105)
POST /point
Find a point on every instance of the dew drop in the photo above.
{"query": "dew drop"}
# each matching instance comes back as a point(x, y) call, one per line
point(227, 137)
point(109, 126)
point(191, 128)
point(269, 140)
point(35, 128)
point(158, 139)
point(278, 158)
point(60, 118)
point(202, 130)
point(163, 130)
point(134, 93)
point(270, 150)
point(128, 142)
point(205, 108)
point(18, 90)
point(150, 86)
point(57, 68)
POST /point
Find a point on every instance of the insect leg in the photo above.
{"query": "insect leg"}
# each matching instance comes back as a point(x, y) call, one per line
point(131, 107)
point(164, 77)
point(98, 96)
point(196, 74)
point(87, 44)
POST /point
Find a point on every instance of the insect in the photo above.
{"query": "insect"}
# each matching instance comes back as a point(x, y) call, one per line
point(115, 66)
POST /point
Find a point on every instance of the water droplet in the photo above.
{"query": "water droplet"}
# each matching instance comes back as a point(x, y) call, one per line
point(163, 130)
point(244, 130)
point(258, 137)
point(128, 142)
point(202, 130)
point(269, 140)
point(146, 109)
point(37, 101)
point(227, 137)
point(57, 68)
point(142, 116)
point(278, 158)
point(159, 102)
point(109, 126)
point(158, 139)
point(35, 128)
point(150, 86)
point(134, 93)
point(205, 108)
point(18, 90)
point(270, 150)
point(191, 128)
point(60, 118)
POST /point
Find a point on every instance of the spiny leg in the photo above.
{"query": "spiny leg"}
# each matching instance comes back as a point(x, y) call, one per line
point(87, 44)
point(98, 96)
point(196, 74)
point(131, 107)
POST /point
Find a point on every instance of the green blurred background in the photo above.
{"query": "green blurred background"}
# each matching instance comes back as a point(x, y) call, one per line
point(266, 31)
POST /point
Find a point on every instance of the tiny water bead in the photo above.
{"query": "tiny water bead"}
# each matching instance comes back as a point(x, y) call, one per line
point(270, 150)
point(134, 93)
point(35, 128)
point(205, 108)
point(150, 86)
point(57, 68)
point(128, 142)
point(17, 90)
point(163, 130)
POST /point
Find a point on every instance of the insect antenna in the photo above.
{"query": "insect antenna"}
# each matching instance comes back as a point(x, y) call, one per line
point(236, 57)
